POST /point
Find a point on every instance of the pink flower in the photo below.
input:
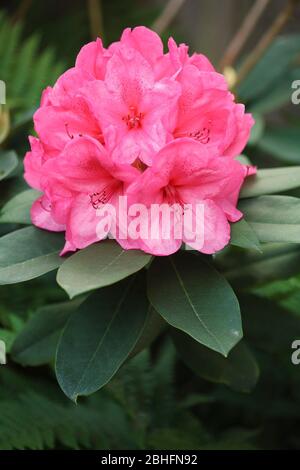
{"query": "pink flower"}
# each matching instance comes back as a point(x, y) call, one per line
point(144, 41)
point(92, 60)
point(214, 120)
point(136, 112)
point(186, 173)
point(133, 120)
point(207, 111)
point(64, 114)
point(76, 184)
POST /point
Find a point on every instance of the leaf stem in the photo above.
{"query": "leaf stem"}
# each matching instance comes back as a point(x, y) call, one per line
point(96, 19)
point(21, 11)
point(267, 39)
point(167, 15)
point(238, 41)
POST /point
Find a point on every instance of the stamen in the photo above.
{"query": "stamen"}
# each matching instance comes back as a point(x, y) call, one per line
point(133, 119)
point(202, 136)
point(139, 164)
point(171, 195)
point(102, 197)
point(68, 132)
point(46, 208)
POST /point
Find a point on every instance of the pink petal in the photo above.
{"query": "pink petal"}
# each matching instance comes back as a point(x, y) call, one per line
point(33, 163)
point(244, 123)
point(216, 228)
point(79, 167)
point(57, 126)
point(92, 59)
point(145, 41)
point(41, 216)
point(82, 224)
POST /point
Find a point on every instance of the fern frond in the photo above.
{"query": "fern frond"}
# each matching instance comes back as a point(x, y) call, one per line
point(25, 68)
point(34, 414)
point(35, 422)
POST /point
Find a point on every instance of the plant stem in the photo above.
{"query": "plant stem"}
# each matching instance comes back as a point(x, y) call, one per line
point(96, 19)
point(167, 16)
point(21, 11)
point(266, 40)
point(238, 41)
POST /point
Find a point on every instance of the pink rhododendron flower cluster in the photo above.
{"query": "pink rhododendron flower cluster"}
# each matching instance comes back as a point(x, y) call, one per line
point(132, 120)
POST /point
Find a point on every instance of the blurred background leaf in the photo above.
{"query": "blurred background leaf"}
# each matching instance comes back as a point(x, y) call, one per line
point(155, 400)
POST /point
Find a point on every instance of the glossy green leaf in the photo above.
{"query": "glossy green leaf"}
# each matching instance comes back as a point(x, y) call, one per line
point(271, 67)
point(271, 181)
point(239, 370)
point(244, 159)
point(273, 218)
point(192, 296)
point(17, 209)
point(277, 95)
point(257, 130)
point(154, 326)
point(36, 344)
point(252, 268)
point(8, 163)
point(99, 265)
point(29, 253)
point(270, 327)
point(11, 188)
point(282, 143)
point(244, 236)
point(100, 336)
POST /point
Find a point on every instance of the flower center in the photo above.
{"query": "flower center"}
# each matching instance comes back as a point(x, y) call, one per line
point(70, 135)
point(45, 205)
point(103, 196)
point(171, 195)
point(202, 135)
point(139, 164)
point(133, 119)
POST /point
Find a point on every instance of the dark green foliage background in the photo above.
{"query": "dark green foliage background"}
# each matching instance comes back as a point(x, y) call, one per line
point(155, 401)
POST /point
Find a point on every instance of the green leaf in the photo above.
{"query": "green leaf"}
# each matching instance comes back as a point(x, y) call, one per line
point(17, 209)
point(272, 66)
point(278, 95)
point(155, 325)
point(270, 327)
point(8, 163)
point(244, 236)
point(28, 253)
point(100, 336)
point(257, 130)
point(4, 125)
point(8, 337)
point(36, 344)
point(239, 370)
point(271, 181)
point(252, 268)
point(99, 265)
point(25, 67)
point(273, 218)
point(244, 159)
point(282, 143)
point(26, 57)
point(193, 297)
point(12, 39)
